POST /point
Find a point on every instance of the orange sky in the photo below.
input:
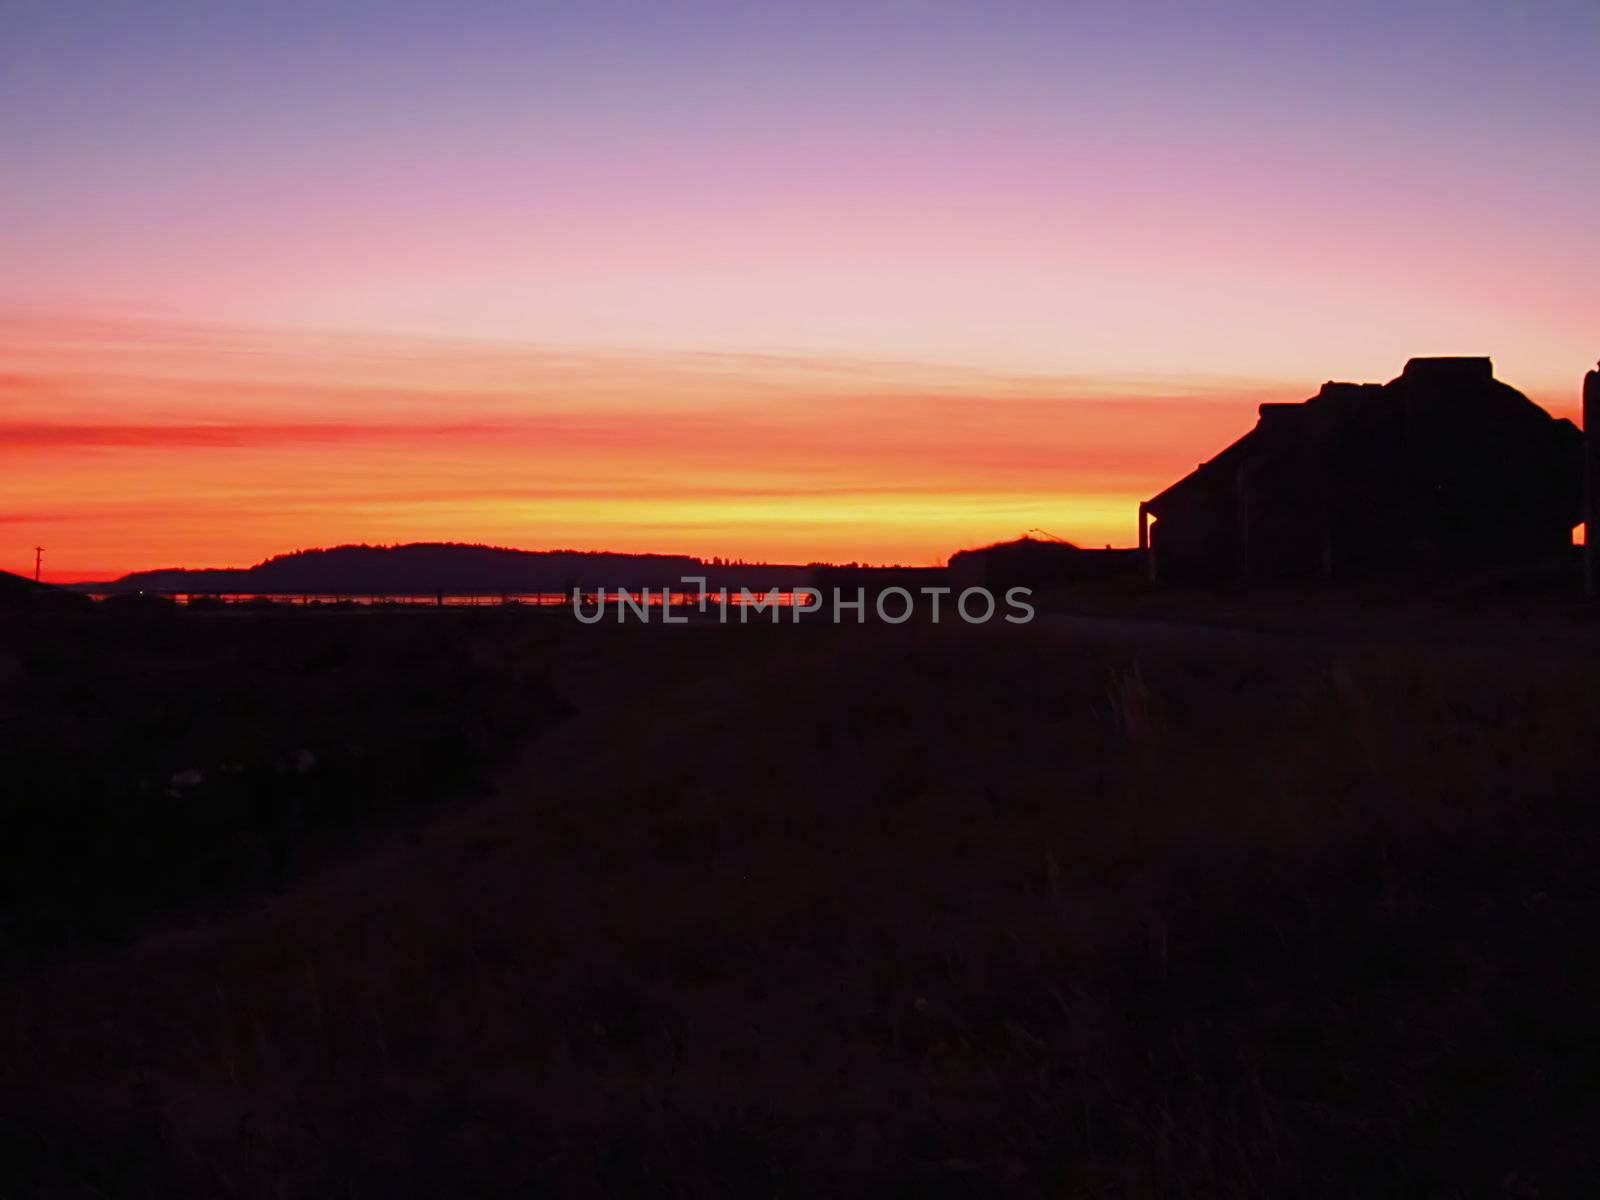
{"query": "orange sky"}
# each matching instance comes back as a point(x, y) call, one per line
point(129, 444)
point(136, 444)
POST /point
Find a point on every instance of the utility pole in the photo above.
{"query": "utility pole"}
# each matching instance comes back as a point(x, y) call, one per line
point(38, 557)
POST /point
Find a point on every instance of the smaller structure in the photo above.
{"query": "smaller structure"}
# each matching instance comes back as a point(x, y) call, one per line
point(1037, 564)
point(1444, 466)
point(1591, 483)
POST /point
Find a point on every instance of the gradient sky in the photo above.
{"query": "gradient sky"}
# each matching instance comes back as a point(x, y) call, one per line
point(806, 281)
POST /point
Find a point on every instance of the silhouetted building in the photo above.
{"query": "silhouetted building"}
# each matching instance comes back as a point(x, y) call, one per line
point(1444, 466)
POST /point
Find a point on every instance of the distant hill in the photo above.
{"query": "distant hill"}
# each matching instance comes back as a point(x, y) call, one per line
point(423, 568)
point(17, 591)
point(17, 586)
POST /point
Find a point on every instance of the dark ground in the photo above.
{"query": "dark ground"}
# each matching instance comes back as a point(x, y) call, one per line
point(1083, 908)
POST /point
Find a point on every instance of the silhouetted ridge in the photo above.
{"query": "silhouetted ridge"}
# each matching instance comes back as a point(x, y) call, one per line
point(18, 591)
point(428, 567)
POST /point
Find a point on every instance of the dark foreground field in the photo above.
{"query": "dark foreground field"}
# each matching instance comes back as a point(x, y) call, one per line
point(1066, 910)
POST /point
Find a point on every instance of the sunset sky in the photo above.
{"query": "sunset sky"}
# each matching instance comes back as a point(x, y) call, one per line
point(790, 281)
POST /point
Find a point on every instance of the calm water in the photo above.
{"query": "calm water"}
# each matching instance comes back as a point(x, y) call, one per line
point(651, 598)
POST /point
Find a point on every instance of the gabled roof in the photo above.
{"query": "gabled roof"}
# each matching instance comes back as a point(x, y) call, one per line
point(1280, 428)
point(1313, 426)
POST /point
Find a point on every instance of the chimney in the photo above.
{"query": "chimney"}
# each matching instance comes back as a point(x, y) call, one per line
point(1449, 370)
point(1276, 412)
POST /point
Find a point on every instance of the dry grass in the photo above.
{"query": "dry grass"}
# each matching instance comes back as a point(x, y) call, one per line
point(939, 911)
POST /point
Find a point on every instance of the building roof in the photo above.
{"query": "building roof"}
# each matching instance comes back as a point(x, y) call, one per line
point(1419, 402)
